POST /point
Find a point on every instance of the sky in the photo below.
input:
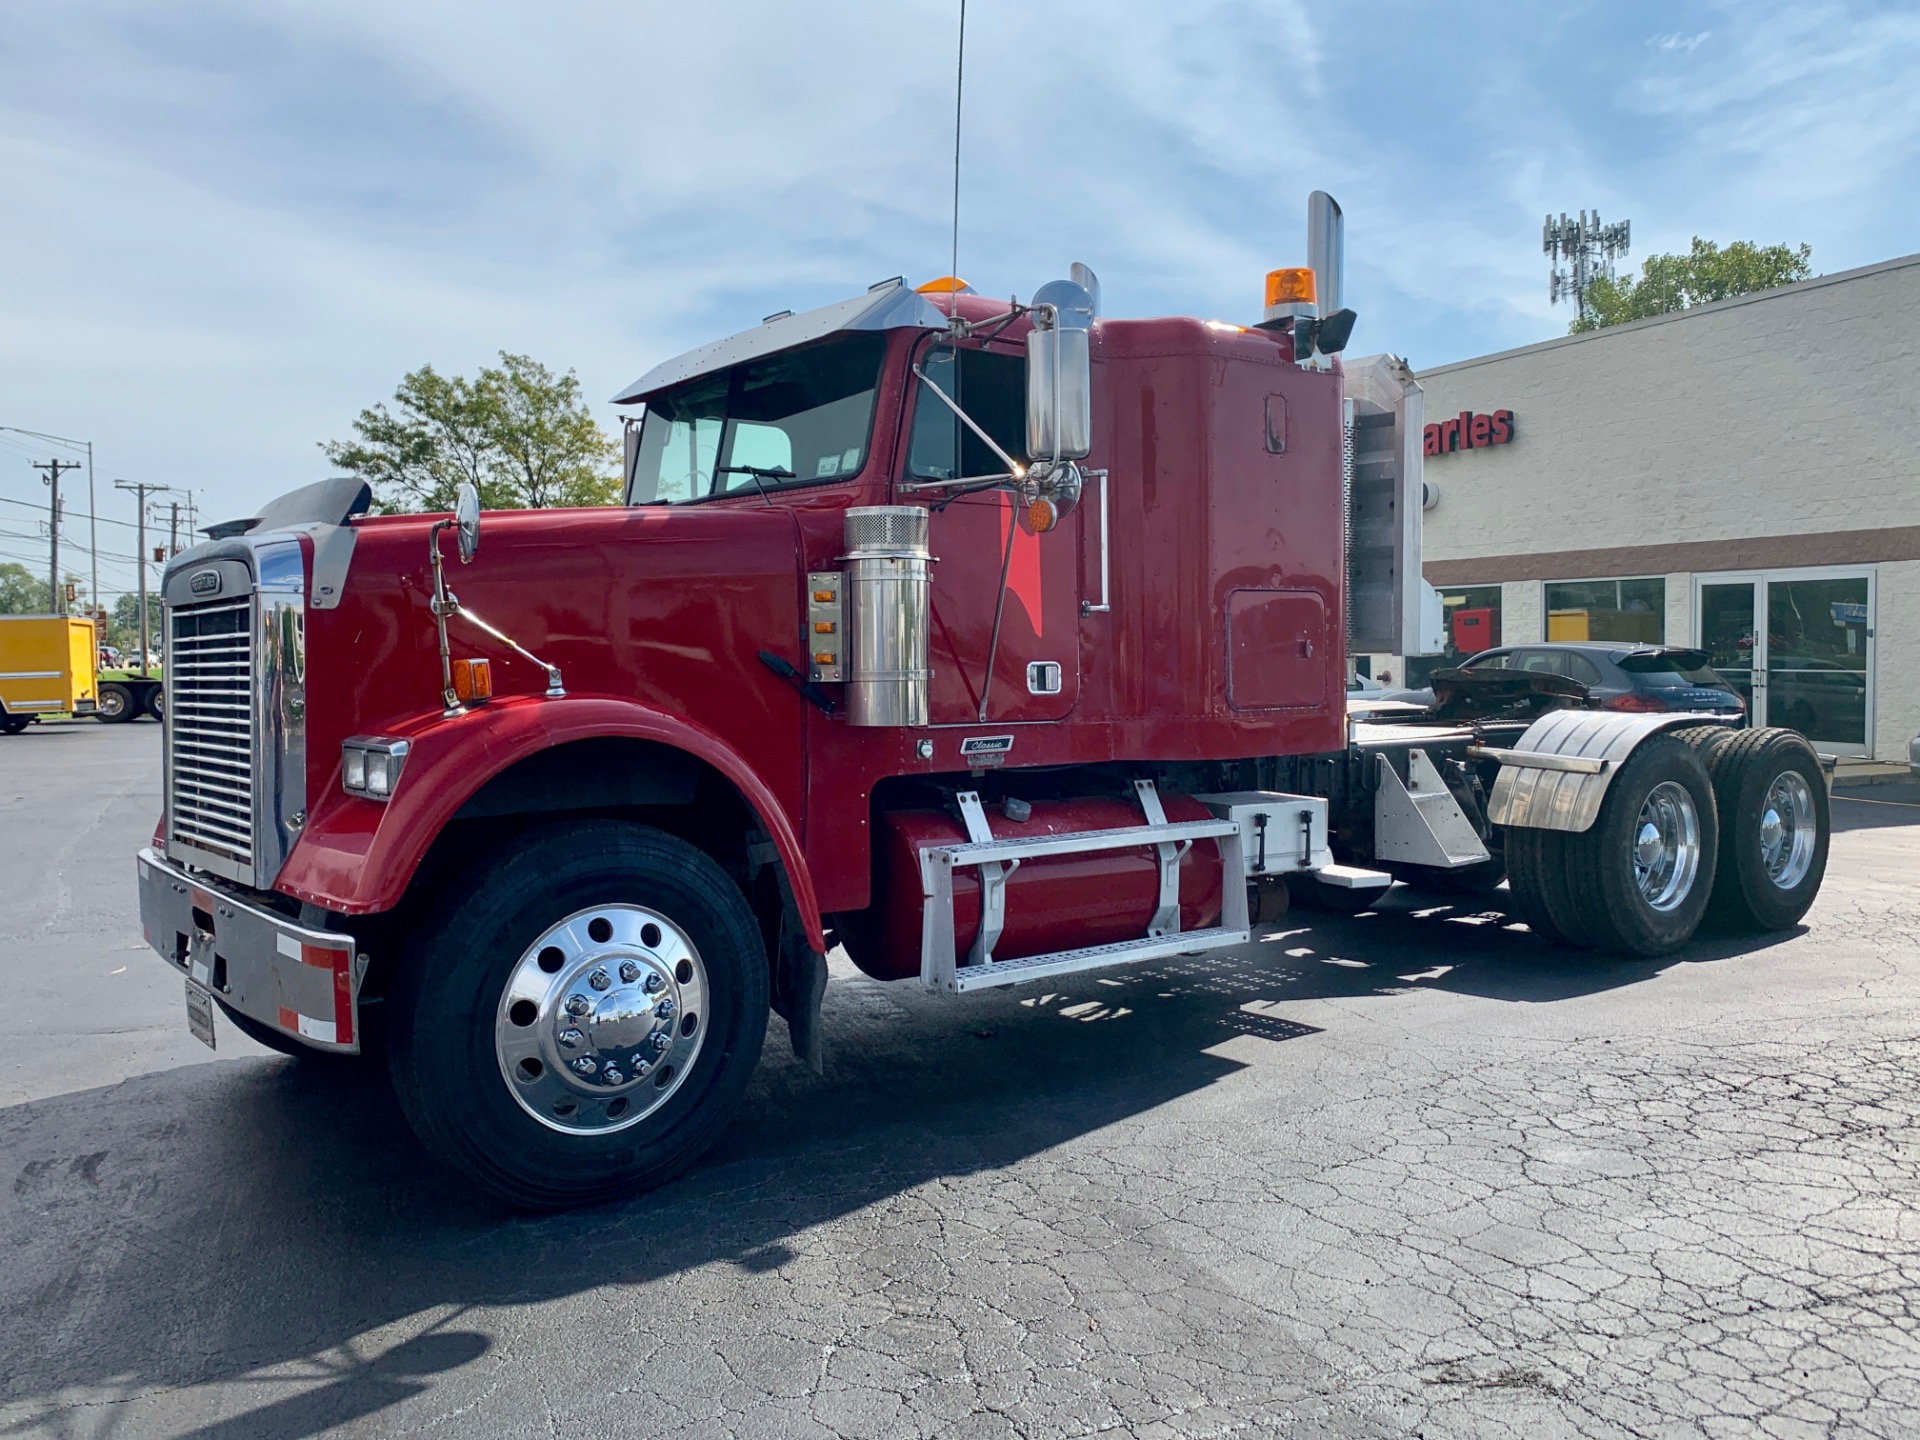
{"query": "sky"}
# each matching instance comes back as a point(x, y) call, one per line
point(230, 227)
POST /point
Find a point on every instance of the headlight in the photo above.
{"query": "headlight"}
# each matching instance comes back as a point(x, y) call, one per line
point(370, 767)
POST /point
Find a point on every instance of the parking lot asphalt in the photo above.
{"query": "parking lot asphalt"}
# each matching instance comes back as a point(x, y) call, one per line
point(1407, 1173)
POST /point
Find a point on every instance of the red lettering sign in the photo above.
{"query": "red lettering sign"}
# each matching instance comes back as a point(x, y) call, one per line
point(1467, 431)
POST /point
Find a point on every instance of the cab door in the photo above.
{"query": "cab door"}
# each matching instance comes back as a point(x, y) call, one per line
point(978, 537)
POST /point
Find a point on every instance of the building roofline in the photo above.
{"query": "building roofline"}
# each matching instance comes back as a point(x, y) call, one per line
point(1758, 297)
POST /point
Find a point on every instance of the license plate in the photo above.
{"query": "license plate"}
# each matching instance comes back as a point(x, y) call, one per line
point(200, 1013)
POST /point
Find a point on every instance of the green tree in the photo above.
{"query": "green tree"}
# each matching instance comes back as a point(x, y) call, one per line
point(520, 434)
point(21, 591)
point(123, 626)
point(1677, 282)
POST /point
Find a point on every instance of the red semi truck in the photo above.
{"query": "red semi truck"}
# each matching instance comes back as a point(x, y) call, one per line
point(991, 642)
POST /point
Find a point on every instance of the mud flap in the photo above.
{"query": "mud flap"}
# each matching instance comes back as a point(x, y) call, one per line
point(798, 988)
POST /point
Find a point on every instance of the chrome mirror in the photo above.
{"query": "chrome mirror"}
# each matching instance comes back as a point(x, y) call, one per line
point(466, 522)
point(1060, 373)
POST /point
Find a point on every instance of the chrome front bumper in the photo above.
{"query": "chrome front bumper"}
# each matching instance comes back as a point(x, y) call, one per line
point(305, 983)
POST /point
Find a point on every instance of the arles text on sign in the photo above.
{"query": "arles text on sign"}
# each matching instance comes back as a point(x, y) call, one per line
point(1468, 431)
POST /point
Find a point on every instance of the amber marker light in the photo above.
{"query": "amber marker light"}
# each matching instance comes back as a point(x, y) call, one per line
point(473, 680)
point(1293, 286)
point(1041, 515)
point(945, 285)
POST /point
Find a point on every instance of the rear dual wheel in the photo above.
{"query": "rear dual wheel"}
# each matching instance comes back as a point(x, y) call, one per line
point(115, 704)
point(582, 1016)
point(1637, 881)
point(1775, 824)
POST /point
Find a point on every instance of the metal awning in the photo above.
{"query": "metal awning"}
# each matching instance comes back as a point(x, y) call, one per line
point(888, 306)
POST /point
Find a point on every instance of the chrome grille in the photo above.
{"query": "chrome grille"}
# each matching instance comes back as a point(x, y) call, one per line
point(210, 716)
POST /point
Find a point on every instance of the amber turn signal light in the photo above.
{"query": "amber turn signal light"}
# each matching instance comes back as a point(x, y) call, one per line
point(473, 680)
point(1041, 515)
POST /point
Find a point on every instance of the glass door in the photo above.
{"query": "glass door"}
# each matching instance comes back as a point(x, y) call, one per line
point(1798, 645)
point(1729, 621)
point(1818, 679)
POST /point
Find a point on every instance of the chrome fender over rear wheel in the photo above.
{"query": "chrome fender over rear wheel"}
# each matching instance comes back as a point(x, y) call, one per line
point(1639, 879)
point(580, 1019)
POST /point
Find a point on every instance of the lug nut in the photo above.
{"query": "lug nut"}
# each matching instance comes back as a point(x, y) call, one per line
point(663, 1012)
point(629, 972)
point(661, 1040)
point(614, 1077)
point(578, 1005)
point(654, 982)
point(599, 980)
point(571, 1037)
point(642, 1069)
point(584, 1065)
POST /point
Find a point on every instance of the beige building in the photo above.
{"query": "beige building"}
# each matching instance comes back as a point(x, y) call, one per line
point(1743, 477)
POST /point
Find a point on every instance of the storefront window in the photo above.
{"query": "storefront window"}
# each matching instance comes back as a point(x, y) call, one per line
point(1473, 625)
point(1629, 610)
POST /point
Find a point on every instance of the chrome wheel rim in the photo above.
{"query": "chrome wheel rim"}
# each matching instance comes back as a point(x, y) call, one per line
point(1666, 846)
point(1787, 829)
point(601, 1019)
point(111, 703)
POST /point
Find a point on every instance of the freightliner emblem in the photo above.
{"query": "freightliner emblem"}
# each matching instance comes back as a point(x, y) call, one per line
point(204, 582)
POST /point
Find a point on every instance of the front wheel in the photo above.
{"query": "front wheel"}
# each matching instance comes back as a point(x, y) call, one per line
point(14, 724)
point(581, 1019)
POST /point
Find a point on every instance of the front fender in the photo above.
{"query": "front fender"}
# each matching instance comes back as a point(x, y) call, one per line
point(1540, 797)
point(357, 857)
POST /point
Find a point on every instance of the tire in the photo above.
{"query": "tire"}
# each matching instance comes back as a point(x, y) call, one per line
point(1639, 880)
point(1768, 874)
point(116, 704)
point(1528, 863)
point(14, 724)
point(490, 991)
point(157, 702)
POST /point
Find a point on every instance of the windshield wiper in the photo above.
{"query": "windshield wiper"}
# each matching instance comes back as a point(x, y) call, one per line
point(756, 474)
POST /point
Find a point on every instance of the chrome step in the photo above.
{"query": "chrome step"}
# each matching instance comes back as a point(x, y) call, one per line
point(997, 859)
point(1092, 957)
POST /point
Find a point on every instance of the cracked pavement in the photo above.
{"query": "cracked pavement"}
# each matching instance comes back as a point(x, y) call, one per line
point(1407, 1173)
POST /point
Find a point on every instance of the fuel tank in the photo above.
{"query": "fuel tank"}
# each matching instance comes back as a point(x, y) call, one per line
point(1060, 902)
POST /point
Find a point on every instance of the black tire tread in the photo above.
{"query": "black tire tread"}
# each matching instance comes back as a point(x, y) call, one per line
point(1731, 766)
point(464, 930)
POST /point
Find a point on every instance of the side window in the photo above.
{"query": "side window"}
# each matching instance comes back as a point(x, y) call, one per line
point(1542, 662)
point(992, 389)
point(1580, 668)
point(1502, 660)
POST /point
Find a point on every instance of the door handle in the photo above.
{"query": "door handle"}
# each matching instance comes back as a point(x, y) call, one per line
point(1105, 599)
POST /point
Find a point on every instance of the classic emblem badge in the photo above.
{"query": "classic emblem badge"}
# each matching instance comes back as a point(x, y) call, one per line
point(204, 582)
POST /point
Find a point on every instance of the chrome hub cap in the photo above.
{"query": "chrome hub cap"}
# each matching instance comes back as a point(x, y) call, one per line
point(1666, 846)
point(1787, 830)
point(601, 1019)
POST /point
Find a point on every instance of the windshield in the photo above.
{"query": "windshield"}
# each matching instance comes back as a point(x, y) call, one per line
point(1681, 670)
point(797, 418)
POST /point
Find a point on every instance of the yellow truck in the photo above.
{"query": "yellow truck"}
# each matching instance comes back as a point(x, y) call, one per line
point(49, 665)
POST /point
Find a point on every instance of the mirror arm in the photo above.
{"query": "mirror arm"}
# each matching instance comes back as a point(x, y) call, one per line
point(1014, 467)
point(554, 690)
point(443, 605)
point(961, 484)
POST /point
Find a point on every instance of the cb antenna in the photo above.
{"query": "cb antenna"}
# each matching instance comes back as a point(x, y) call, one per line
point(959, 90)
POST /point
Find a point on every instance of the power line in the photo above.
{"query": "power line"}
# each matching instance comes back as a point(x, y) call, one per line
point(104, 519)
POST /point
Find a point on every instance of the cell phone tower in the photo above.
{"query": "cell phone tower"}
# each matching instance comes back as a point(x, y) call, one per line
point(1582, 251)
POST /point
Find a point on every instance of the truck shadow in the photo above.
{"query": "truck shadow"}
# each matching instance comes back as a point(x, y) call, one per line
point(272, 1223)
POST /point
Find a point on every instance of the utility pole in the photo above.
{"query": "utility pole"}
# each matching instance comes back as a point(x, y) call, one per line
point(93, 500)
point(173, 532)
point(52, 477)
point(142, 489)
